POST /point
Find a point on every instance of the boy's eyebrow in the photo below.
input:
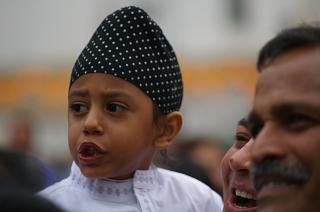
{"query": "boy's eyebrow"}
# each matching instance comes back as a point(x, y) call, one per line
point(78, 93)
point(116, 93)
point(109, 94)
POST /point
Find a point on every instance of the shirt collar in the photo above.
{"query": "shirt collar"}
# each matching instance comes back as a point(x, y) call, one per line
point(115, 190)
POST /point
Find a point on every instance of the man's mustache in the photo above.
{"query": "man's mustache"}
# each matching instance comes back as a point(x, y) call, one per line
point(278, 171)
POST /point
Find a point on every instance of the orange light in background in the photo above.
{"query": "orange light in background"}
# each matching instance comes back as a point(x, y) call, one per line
point(48, 88)
point(201, 78)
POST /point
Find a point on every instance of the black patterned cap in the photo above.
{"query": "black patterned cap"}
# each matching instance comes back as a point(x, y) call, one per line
point(128, 44)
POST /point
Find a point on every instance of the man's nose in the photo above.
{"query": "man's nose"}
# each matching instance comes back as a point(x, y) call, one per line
point(269, 143)
point(241, 160)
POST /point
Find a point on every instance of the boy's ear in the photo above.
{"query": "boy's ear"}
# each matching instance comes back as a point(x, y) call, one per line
point(169, 129)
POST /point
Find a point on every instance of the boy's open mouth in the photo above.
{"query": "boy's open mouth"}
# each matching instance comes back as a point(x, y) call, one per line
point(89, 150)
point(243, 199)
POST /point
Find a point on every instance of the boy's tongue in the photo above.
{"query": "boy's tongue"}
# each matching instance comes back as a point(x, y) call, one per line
point(89, 150)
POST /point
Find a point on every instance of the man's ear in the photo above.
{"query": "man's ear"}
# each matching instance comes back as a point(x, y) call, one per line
point(169, 129)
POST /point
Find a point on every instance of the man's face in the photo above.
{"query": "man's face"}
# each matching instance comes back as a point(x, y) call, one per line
point(238, 192)
point(285, 122)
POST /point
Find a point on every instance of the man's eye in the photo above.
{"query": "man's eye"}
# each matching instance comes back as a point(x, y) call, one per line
point(297, 121)
point(115, 107)
point(78, 108)
point(242, 137)
point(241, 140)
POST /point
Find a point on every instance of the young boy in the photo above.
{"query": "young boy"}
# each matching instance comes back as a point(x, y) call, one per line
point(124, 97)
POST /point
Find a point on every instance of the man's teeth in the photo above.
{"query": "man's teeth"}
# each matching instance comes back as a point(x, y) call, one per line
point(244, 194)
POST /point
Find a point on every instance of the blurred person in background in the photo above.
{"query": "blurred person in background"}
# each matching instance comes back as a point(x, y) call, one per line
point(20, 171)
point(17, 200)
point(20, 178)
point(285, 122)
point(20, 132)
point(20, 138)
point(238, 191)
point(199, 157)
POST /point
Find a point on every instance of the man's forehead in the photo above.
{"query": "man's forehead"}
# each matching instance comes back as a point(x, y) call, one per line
point(298, 70)
point(300, 52)
point(293, 79)
point(299, 62)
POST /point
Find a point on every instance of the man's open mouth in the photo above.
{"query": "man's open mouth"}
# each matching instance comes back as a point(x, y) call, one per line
point(244, 199)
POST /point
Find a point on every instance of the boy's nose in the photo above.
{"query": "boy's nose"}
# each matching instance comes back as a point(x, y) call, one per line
point(92, 124)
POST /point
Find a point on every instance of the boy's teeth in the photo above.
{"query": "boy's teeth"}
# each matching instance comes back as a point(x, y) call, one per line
point(244, 194)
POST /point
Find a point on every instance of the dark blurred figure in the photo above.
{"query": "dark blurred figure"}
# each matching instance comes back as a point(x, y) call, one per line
point(200, 158)
point(20, 138)
point(20, 133)
point(20, 179)
point(15, 200)
point(18, 170)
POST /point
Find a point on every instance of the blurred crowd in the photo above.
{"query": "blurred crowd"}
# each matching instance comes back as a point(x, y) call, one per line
point(22, 172)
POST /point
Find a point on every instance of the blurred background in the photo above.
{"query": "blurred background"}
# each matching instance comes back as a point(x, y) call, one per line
point(216, 43)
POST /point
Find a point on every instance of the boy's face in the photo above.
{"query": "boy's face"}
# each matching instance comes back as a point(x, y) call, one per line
point(111, 127)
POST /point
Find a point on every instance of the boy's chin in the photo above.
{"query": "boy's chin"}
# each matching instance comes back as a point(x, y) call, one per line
point(92, 172)
point(95, 173)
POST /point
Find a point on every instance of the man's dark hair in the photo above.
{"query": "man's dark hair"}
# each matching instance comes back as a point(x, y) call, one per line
point(303, 36)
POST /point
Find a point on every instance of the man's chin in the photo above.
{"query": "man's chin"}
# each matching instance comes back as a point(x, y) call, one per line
point(279, 205)
point(277, 208)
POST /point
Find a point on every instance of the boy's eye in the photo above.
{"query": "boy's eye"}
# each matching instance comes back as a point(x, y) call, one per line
point(115, 107)
point(78, 108)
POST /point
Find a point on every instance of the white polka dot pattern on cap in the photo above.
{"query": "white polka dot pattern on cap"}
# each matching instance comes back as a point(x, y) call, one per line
point(130, 45)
